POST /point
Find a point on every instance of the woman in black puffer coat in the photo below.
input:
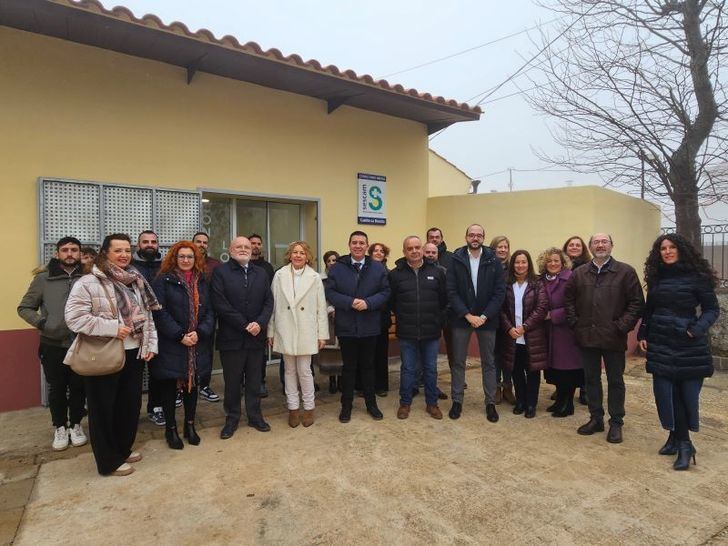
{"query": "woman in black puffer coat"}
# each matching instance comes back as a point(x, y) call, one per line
point(185, 325)
point(675, 336)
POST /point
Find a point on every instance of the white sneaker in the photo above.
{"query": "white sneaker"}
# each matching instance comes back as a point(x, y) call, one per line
point(60, 440)
point(78, 438)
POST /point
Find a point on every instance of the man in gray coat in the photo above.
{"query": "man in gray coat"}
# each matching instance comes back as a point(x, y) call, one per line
point(42, 307)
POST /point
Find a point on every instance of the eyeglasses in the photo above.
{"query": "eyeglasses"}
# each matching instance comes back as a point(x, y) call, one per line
point(185, 257)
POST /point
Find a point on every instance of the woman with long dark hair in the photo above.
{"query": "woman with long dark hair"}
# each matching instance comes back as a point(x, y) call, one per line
point(524, 348)
point(185, 324)
point(115, 300)
point(675, 336)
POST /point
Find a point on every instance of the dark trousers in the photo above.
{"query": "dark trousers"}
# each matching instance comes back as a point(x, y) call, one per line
point(357, 355)
point(169, 396)
point(114, 402)
point(66, 396)
point(239, 365)
point(614, 367)
point(154, 394)
point(525, 382)
point(381, 363)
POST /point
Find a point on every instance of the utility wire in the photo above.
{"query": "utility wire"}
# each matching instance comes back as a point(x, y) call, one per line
point(464, 51)
point(492, 90)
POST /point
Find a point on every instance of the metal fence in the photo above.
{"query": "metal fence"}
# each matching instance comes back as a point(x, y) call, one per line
point(714, 239)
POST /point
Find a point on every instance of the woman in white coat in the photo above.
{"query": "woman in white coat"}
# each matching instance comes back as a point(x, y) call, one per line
point(299, 327)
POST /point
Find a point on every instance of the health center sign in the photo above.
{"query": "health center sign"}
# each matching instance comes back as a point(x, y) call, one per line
point(372, 199)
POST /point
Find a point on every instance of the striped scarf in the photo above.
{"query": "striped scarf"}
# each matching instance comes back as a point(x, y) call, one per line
point(193, 301)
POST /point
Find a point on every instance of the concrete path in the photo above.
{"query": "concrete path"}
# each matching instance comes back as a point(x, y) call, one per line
point(418, 481)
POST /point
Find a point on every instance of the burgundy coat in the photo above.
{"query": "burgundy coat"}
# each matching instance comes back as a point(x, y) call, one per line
point(564, 353)
point(535, 306)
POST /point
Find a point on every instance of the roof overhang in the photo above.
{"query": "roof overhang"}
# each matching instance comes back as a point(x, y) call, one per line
point(88, 22)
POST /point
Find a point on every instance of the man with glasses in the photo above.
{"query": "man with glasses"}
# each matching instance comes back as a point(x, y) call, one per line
point(476, 290)
point(603, 302)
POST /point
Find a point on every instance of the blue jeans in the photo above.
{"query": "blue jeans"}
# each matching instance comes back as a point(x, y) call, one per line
point(418, 355)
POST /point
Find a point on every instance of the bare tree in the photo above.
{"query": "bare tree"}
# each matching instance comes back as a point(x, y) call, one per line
point(635, 89)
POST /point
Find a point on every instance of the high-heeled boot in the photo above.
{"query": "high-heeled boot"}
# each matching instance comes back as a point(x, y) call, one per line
point(173, 439)
point(685, 451)
point(190, 433)
point(670, 447)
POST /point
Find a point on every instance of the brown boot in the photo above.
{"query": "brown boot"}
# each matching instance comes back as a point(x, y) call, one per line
point(434, 412)
point(403, 412)
point(508, 395)
point(498, 395)
point(294, 418)
point(307, 420)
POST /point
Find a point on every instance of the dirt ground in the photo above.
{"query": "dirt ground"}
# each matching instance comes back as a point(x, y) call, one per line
point(417, 481)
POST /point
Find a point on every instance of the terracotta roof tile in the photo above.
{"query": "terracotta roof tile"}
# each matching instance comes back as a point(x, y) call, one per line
point(252, 48)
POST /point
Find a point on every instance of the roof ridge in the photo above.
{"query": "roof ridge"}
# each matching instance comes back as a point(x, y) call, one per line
point(252, 48)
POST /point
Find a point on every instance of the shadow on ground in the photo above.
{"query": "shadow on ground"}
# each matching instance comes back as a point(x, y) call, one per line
point(391, 482)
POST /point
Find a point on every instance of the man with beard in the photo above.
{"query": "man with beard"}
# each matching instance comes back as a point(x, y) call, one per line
point(43, 307)
point(603, 301)
point(147, 260)
point(256, 244)
point(476, 290)
point(243, 304)
point(202, 240)
point(434, 236)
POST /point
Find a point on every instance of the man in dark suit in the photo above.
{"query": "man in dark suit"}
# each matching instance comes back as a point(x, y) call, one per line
point(243, 303)
point(358, 289)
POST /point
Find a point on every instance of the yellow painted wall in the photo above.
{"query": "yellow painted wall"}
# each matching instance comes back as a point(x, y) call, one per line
point(446, 178)
point(534, 220)
point(77, 112)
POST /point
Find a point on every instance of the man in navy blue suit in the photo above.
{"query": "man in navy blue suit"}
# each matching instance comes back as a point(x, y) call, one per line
point(358, 288)
point(243, 303)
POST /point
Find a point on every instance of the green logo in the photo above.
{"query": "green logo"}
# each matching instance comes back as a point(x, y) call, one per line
point(375, 203)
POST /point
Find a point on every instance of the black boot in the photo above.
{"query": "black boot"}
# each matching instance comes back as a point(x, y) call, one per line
point(190, 433)
point(560, 401)
point(670, 447)
point(685, 451)
point(173, 439)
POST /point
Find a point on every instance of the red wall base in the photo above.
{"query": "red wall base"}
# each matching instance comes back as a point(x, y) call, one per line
point(19, 369)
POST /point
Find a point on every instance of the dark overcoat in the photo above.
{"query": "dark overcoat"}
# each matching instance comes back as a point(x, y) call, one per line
point(535, 306)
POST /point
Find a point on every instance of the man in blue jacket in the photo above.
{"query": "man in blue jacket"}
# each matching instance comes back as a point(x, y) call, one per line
point(476, 289)
point(243, 304)
point(357, 287)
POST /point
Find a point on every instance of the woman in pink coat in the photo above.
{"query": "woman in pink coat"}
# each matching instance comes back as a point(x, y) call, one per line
point(564, 359)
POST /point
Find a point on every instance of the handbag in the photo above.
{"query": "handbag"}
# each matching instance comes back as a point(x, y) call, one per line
point(98, 355)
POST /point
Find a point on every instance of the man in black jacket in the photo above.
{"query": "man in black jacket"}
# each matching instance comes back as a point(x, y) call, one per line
point(419, 298)
point(444, 256)
point(147, 260)
point(243, 303)
point(476, 290)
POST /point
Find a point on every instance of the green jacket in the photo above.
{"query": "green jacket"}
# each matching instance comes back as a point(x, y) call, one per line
point(43, 304)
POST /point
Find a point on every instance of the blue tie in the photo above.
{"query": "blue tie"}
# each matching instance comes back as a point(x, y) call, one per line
point(245, 273)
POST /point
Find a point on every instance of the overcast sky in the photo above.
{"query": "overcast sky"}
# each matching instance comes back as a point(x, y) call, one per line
point(384, 37)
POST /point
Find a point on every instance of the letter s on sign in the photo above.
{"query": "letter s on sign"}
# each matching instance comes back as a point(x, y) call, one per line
point(375, 203)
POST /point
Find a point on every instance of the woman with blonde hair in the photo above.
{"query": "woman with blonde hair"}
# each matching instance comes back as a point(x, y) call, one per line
point(502, 248)
point(379, 252)
point(185, 324)
point(298, 327)
point(564, 359)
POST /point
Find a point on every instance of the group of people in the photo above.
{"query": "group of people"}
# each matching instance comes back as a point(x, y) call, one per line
point(564, 315)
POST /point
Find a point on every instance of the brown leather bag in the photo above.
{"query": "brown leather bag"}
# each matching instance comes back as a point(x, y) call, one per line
point(97, 355)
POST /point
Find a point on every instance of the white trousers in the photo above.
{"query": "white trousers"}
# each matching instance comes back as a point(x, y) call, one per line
point(298, 370)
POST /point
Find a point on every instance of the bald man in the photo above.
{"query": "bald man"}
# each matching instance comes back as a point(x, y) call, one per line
point(243, 303)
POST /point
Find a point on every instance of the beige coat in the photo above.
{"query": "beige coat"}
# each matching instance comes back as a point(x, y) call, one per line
point(89, 311)
point(299, 321)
